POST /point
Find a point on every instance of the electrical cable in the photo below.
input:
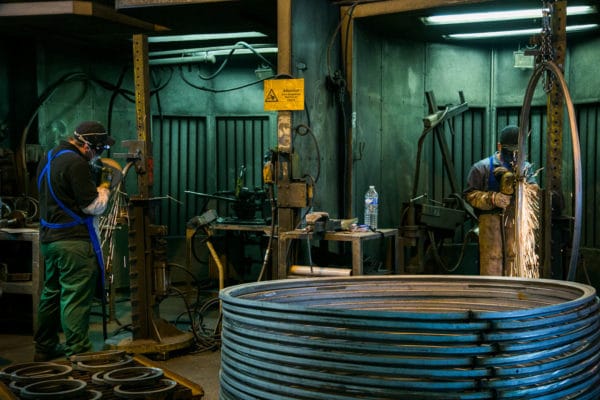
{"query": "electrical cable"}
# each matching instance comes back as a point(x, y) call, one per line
point(184, 269)
point(158, 103)
point(206, 89)
point(193, 248)
point(436, 254)
point(114, 96)
point(271, 234)
point(189, 311)
point(304, 130)
point(237, 46)
point(209, 340)
point(334, 34)
point(45, 96)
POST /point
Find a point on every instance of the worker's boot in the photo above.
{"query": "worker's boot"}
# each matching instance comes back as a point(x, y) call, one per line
point(43, 356)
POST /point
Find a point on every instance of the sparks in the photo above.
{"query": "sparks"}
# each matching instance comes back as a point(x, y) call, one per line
point(527, 221)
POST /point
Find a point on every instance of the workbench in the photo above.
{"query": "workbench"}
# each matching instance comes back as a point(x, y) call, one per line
point(258, 229)
point(33, 286)
point(355, 237)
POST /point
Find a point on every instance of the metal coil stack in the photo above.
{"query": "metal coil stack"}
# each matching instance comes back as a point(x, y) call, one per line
point(410, 337)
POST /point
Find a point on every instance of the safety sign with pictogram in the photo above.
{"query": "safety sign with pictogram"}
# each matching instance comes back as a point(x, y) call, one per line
point(284, 94)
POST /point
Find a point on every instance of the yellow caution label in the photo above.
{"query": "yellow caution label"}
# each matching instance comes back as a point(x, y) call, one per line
point(284, 94)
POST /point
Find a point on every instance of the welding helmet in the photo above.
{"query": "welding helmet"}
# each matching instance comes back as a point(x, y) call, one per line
point(509, 143)
point(93, 134)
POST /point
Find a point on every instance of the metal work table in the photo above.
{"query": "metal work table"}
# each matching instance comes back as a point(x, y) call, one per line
point(226, 227)
point(356, 238)
point(266, 229)
point(32, 287)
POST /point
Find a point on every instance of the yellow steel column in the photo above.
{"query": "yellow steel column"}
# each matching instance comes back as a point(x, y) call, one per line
point(555, 120)
point(141, 74)
point(286, 216)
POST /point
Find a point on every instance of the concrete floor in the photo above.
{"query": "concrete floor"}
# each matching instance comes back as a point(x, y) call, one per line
point(199, 367)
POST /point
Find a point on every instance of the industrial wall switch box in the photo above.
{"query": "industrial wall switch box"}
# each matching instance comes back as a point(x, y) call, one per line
point(293, 194)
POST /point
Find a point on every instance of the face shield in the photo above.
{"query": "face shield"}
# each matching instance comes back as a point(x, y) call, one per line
point(95, 148)
point(508, 154)
point(99, 149)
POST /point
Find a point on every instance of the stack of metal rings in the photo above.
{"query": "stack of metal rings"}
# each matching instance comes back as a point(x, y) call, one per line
point(46, 380)
point(136, 382)
point(410, 337)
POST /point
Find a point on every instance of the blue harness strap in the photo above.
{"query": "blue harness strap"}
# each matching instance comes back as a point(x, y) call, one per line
point(77, 220)
point(492, 181)
point(493, 184)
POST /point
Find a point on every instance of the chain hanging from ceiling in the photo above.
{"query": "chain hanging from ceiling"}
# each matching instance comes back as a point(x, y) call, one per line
point(547, 53)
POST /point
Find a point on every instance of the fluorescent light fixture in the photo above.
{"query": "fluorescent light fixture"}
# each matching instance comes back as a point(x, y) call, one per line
point(519, 32)
point(204, 37)
point(499, 16)
point(193, 51)
point(207, 56)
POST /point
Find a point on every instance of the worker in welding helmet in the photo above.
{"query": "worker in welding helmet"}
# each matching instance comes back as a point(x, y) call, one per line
point(70, 202)
point(490, 190)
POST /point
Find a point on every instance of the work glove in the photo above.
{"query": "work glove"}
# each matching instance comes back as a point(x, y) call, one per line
point(106, 178)
point(111, 173)
point(506, 180)
point(500, 200)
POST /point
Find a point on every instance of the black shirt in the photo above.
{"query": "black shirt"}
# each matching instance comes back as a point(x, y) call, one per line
point(73, 183)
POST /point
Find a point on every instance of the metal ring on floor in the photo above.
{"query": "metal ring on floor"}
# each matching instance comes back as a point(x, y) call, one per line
point(93, 394)
point(98, 380)
point(41, 371)
point(158, 390)
point(7, 371)
point(105, 355)
point(16, 387)
point(54, 389)
point(417, 337)
point(133, 376)
point(92, 366)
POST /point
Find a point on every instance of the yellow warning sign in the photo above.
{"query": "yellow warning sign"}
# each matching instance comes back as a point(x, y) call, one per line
point(284, 94)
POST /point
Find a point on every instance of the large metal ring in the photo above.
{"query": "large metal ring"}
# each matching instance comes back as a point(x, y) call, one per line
point(415, 337)
point(133, 376)
point(98, 380)
point(54, 389)
point(98, 366)
point(41, 371)
point(106, 356)
point(16, 387)
point(145, 392)
point(5, 372)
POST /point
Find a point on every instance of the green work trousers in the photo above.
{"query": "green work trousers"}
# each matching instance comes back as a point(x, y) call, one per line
point(71, 269)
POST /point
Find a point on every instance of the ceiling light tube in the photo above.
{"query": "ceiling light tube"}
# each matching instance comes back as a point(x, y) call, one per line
point(204, 37)
point(202, 58)
point(200, 49)
point(208, 56)
point(519, 32)
point(499, 16)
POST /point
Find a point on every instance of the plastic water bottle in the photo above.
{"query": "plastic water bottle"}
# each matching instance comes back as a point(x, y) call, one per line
point(371, 207)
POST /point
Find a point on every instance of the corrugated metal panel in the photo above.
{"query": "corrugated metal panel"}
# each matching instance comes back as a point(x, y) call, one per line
point(187, 156)
point(240, 141)
point(180, 147)
point(588, 120)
